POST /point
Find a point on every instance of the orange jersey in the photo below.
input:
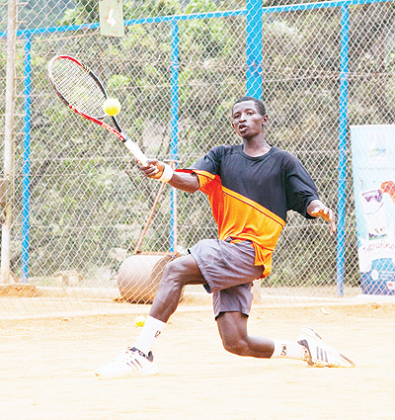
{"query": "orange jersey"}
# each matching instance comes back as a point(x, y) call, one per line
point(250, 196)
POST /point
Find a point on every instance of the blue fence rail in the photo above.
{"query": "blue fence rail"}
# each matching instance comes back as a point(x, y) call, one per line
point(253, 14)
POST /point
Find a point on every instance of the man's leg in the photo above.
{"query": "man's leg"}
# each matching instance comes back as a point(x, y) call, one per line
point(139, 358)
point(309, 348)
point(232, 328)
point(176, 275)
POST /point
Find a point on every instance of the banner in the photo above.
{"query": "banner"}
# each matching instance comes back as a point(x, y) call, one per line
point(373, 158)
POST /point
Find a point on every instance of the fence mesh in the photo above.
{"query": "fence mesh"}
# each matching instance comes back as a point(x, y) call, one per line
point(88, 203)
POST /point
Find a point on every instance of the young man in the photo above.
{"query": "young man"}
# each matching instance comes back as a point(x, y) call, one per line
point(250, 188)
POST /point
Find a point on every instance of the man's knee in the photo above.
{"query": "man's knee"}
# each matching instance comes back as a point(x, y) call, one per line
point(175, 272)
point(182, 271)
point(235, 345)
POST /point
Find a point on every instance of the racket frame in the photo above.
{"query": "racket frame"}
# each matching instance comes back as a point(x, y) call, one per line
point(130, 144)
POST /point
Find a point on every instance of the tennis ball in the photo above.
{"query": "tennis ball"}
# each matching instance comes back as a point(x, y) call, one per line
point(140, 321)
point(111, 106)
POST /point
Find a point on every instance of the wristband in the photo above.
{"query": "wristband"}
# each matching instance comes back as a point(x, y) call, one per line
point(167, 174)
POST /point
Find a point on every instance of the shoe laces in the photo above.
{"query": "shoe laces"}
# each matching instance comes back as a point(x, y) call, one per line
point(306, 352)
point(149, 356)
point(132, 353)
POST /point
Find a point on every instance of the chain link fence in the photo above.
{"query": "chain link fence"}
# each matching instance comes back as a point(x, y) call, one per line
point(79, 204)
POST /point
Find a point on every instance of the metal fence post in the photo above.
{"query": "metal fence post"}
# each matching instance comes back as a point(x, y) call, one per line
point(174, 129)
point(341, 208)
point(8, 168)
point(254, 49)
point(26, 159)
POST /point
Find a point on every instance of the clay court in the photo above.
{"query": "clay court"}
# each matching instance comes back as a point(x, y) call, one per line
point(74, 205)
point(47, 369)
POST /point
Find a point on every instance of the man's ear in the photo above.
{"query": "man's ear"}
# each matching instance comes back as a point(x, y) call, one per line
point(265, 119)
point(233, 126)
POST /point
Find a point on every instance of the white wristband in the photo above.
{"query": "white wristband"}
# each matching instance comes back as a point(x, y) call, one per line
point(167, 174)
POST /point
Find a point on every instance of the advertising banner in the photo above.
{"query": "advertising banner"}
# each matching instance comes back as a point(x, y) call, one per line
point(373, 158)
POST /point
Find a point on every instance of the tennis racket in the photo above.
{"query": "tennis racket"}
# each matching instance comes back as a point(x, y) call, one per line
point(80, 89)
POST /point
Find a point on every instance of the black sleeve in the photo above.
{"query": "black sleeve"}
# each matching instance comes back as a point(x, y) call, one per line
point(210, 162)
point(300, 188)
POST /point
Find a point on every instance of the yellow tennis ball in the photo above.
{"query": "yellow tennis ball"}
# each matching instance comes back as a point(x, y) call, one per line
point(140, 321)
point(111, 106)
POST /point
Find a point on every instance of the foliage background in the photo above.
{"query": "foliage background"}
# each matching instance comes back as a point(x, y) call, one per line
point(88, 201)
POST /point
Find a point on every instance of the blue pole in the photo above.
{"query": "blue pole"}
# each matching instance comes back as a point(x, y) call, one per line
point(26, 159)
point(174, 129)
point(341, 207)
point(254, 49)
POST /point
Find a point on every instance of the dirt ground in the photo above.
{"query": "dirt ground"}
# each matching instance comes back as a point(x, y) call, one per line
point(47, 369)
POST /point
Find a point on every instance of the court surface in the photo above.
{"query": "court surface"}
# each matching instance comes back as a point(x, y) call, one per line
point(47, 369)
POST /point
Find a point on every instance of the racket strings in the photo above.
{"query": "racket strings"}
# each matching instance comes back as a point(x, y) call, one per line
point(78, 87)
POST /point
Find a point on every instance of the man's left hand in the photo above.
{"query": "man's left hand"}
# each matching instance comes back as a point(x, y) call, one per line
point(317, 209)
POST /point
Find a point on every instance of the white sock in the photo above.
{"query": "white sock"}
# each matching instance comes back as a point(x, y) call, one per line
point(151, 332)
point(287, 349)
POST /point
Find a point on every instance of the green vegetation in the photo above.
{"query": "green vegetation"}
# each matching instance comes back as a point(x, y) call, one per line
point(88, 198)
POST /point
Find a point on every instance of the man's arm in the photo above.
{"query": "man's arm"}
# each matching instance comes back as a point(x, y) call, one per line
point(317, 209)
point(188, 182)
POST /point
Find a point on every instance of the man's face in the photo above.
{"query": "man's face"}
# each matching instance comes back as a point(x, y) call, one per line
point(247, 121)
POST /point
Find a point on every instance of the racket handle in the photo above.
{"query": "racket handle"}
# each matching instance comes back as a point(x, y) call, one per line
point(136, 152)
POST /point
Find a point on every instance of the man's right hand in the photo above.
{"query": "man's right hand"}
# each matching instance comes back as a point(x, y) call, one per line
point(154, 169)
point(188, 182)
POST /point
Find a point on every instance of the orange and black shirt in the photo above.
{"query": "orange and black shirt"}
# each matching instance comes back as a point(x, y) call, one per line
point(250, 196)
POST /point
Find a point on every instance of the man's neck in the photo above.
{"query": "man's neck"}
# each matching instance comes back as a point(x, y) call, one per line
point(255, 147)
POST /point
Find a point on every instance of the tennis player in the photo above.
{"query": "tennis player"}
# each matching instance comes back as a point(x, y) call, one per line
point(250, 188)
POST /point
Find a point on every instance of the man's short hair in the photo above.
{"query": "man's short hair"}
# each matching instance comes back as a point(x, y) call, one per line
point(259, 104)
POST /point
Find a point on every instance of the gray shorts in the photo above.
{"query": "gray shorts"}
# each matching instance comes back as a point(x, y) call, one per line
point(229, 271)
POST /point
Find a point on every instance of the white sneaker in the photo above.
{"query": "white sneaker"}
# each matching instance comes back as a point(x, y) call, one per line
point(128, 364)
point(322, 355)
